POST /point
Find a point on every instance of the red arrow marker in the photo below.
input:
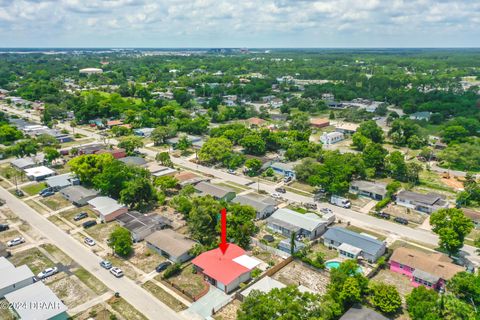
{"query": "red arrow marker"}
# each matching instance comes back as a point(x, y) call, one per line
point(223, 244)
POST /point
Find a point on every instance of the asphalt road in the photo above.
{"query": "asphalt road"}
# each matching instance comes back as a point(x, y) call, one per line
point(142, 300)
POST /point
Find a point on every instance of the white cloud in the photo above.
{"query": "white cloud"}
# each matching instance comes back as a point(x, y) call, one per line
point(241, 23)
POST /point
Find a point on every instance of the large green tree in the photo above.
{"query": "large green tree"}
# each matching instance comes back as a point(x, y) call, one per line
point(452, 226)
point(120, 241)
point(215, 150)
point(385, 297)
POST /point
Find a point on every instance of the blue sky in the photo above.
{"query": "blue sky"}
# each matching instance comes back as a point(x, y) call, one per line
point(239, 23)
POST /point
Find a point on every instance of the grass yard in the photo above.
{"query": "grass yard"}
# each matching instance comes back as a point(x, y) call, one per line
point(401, 243)
point(127, 269)
point(58, 254)
point(10, 173)
point(229, 312)
point(360, 230)
point(231, 186)
point(301, 186)
point(101, 232)
point(35, 206)
point(191, 283)
point(33, 258)
point(70, 214)
point(55, 202)
point(320, 247)
point(9, 235)
point(60, 223)
point(125, 309)
point(401, 282)
point(90, 281)
point(34, 188)
point(164, 296)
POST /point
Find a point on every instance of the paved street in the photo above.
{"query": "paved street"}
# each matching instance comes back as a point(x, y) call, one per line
point(133, 293)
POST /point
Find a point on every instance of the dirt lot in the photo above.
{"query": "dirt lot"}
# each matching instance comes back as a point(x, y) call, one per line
point(267, 257)
point(328, 253)
point(229, 312)
point(296, 274)
point(164, 296)
point(144, 258)
point(401, 282)
point(98, 312)
point(70, 214)
point(71, 291)
point(60, 223)
point(402, 212)
point(9, 235)
point(170, 213)
point(101, 232)
point(125, 309)
point(55, 202)
point(188, 281)
point(454, 182)
point(359, 203)
point(90, 281)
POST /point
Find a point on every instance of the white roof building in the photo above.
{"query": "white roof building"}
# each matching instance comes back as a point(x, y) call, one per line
point(39, 173)
point(107, 208)
point(331, 137)
point(91, 71)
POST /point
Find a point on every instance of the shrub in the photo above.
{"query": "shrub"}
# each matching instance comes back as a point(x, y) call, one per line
point(172, 270)
point(383, 203)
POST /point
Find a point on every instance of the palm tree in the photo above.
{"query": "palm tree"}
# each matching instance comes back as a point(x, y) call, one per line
point(293, 235)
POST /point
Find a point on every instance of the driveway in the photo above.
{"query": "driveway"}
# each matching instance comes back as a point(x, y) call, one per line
point(204, 306)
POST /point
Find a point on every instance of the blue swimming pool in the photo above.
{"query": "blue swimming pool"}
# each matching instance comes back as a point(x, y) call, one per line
point(332, 264)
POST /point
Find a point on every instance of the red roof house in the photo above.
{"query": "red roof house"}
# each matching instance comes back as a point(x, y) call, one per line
point(225, 271)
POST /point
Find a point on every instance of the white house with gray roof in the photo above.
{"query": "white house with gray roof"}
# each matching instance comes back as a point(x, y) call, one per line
point(427, 203)
point(374, 190)
point(216, 191)
point(352, 245)
point(286, 221)
point(108, 209)
point(264, 206)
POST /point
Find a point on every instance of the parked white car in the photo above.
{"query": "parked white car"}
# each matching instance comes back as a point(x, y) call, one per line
point(47, 273)
point(15, 242)
point(89, 241)
point(117, 272)
point(276, 195)
point(326, 211)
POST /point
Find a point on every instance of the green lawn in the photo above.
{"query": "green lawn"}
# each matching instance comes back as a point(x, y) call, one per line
point(360, 230)
point(35, 188)
point(55, 202)
point(33, 258)
point(90, 281)
point(164, 296)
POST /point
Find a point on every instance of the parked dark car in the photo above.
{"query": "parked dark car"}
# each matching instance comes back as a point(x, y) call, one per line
point(311, 205)
point(382, 215)
point(80, 216)
point(89, 224)
point(401, 220)
point(19, 193)
point(281, 190)
point(268, 238)
point(287, 179)
point(4, 227)
point(162, 266)
point(46, 190)
point(48, 194)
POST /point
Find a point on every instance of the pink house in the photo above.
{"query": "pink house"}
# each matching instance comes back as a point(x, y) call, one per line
point(428, 269)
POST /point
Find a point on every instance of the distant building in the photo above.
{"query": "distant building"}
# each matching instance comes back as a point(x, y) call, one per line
point(196, 141)
point(170, 244)
point(116, 153)
point(89, 71)
point(331, 137)
point(255, 122)
point(285, 169)
point(374, 190)
point(134, 161)
point(143, 132)
point(276, 103)
point(226, 270)
point(352, 245)
point(264, 206)
point(158, 170)
point(427, 203)
point(286, 222)
point(27, 162)
point(107, 208)
point(78, 195)
point(328, 97)
point(474, 215)
point(421, 116)
point(216, 191)
point(319, 122)
point(346, 128)
point(39, 173)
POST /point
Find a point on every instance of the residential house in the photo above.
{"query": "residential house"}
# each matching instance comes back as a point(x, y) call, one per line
point(196, 141)
point(285, 169)
point(336, 105)
point(106, 208)
point(188, 178)
point(39, 173)
point(374, 190)
point(13, 278)
point(27, 162)
point(286, 221)
point(226, 270)
point(141, 225)
point(216, 191)
point(352, 245)
point(89, 71)
point(78, 195)
point(426, 203)
point(264, 285)
point(359, 312)
point(328, 97)
point(286, 246)
point(170, 244)
point(264, 206)
point(276, 103)
point(346, 128)
point(116, 153)
point(421, 116)
point(134, 161)
point(62, 181)
point(143, 132)
point(38, 302)
point(158, 170)
point(319, 122)
point(255, 122)
point(431, 270)
point(331, 137)
point(474, 215)
point(90, 148)
point(114, 123)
